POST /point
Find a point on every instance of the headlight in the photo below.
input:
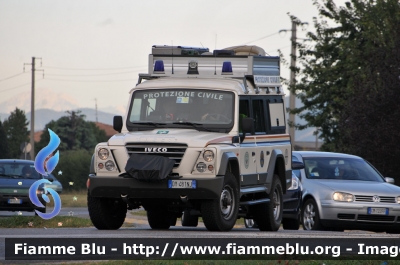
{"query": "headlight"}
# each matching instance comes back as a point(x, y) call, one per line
point(343, 197)
point(110, 165)
point(295, 183)
point(398, 199)
point(38, 192)
point(208, 156)
point(201, 167)
point(103, 153)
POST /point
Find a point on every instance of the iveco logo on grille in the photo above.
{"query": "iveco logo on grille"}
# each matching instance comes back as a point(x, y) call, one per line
point(155, 150)
point(376, 198)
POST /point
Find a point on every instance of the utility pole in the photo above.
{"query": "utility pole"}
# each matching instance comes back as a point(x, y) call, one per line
point(32, 133)
point(292, 102)
point(96, 109)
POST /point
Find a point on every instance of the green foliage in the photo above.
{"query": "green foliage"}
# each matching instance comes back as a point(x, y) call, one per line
point(75, 133)
point(348, 79)
point(3, 143)
point(74, 165)
point(16, 132)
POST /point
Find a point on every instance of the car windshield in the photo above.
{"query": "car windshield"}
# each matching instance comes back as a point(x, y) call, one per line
point(340, 169)
point(18, 170)
point(199, 109)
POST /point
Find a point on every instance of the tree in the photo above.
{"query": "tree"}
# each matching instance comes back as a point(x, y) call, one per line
point(3, 143)
point(349, 79)
point(16, 132)
point(75, 133)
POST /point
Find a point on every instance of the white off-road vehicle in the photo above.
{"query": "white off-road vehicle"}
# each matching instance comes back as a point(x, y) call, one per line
point(204, 135)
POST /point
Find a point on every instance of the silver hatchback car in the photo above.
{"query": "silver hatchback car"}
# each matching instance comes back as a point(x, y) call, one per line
point(346, 192)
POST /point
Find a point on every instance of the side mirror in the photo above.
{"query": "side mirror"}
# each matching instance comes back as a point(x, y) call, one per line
point(297, 165)
point(389, 180)
point(247, 127)
point(117, 123)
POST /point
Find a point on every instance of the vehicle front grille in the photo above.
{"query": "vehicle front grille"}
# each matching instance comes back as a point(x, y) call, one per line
point(346, 216)
point(376, 218)
point(383, 199)
point(173, 151)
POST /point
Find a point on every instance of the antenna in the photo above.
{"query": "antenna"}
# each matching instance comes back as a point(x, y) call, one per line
point(172, 50)
point(201, 44)
point(215, 55)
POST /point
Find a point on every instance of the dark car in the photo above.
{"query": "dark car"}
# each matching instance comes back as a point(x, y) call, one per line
point(291, 205)
point(16, 177)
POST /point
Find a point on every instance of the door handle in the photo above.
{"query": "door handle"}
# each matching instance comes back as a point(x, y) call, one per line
point(253, 153)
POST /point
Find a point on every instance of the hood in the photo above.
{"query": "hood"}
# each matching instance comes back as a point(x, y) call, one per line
point(357, 187)
point(9, 185)
point(191, 137)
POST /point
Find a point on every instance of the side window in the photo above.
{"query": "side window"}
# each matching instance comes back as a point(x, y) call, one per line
point(244, 111)
point(258, 115)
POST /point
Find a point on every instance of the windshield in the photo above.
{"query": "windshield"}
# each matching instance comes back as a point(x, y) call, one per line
point(198, 108)
point(340, 169)
point(18, 170)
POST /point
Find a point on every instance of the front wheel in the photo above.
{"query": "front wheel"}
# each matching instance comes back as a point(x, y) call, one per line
point(106, 213)
point(221, 214)
point(310, 216)
point(269, 215)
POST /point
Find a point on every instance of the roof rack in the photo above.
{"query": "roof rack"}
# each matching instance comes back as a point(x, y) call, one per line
point(183, 61)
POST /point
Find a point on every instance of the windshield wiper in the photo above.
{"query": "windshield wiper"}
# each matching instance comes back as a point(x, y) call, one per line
point(155, 124)
point(197, 126)
point(5, 175)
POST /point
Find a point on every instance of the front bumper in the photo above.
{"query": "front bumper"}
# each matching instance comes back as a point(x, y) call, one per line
point(25, 206)
point(113, 187)
point(355, 215)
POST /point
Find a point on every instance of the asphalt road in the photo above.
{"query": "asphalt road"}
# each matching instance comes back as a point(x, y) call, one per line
point(137, 227)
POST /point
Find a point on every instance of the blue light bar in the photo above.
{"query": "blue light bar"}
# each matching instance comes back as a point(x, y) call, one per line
point(226, 68)
point(159, 67)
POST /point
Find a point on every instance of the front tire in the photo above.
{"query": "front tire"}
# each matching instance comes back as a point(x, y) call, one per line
point(106, 213)
point(268, 216)
point(221, 214)
point(310, 216)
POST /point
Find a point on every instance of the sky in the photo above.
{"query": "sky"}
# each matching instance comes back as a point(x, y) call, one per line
point(92, 51)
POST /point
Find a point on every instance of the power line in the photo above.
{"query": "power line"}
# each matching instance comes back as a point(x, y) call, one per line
point(18, 86)
point(278, 49)
point(119, 73)
point(92, 69)
point(69, 80)
point(270, 35)
point(12, 76)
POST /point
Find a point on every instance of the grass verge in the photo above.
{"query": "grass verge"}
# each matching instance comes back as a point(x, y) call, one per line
point(72, 199)
point(38, 222)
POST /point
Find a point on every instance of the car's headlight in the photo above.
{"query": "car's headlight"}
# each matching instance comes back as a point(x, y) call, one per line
point(343, 197)
point(103, 153)
point(110, 165)
point(208, 156)
point(295, 183)
point(398, 199)
point(201, 167)
point(39, 192)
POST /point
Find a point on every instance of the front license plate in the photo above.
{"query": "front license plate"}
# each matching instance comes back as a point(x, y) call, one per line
point(14, 201)
point(181, 184)
point(381, 211)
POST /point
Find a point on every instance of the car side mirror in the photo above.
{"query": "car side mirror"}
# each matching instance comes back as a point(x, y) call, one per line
point(389, 180)
point(297, 165)
point(117, 123)
point(247, 127)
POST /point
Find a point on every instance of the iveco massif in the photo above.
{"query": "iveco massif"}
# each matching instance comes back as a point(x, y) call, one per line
point(204, 135)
